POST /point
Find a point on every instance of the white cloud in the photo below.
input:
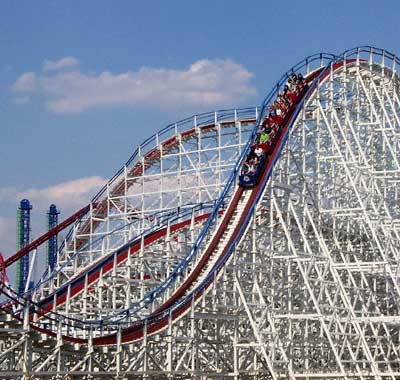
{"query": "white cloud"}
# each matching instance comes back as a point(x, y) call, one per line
point(22, 100)
point(7, 236)
point(205, 84)
point(25, 83)
point(60, 64)
point(7, 193)
point(68, 195)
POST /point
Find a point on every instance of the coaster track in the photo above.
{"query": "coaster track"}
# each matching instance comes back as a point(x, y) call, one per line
point(133, 276)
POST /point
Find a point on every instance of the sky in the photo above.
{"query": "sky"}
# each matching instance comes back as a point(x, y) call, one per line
point(83, 83)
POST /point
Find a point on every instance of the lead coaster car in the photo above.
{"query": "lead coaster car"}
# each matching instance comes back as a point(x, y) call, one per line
point(249, 180)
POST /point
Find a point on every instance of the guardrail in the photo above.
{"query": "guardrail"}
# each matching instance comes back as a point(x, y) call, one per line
point(330, 60)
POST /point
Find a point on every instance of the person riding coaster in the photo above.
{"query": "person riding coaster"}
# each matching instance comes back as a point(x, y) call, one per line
point(270, 130)
point(252, 169)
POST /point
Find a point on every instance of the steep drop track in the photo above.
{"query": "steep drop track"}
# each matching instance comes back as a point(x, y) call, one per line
point(214, 254)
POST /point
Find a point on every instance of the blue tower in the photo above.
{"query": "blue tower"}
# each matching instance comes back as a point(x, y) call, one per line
point(23, 230)
point(52, 245)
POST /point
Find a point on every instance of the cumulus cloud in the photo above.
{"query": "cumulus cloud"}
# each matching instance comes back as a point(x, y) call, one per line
point(7, 193)
point(7, 236)
point(205, 83)
point(60, 64)
point(22, 100)
point(68, 195)
point(25, 83)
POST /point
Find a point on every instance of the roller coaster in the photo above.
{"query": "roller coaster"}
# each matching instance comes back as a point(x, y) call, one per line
point(177, 269)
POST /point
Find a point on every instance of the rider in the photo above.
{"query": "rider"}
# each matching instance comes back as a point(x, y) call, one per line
point(259, 152)
point(264, 137)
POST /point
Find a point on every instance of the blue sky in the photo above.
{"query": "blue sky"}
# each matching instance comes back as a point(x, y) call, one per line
point(83, 83)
